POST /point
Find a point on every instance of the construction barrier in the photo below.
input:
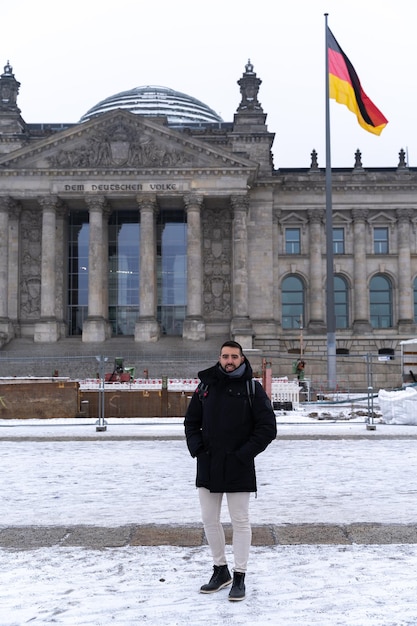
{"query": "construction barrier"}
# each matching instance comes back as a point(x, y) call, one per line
point(136, 403)
point(31, 398)
point(285, 394)
point(48, 398)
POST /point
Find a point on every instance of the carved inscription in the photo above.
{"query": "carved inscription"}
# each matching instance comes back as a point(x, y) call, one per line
point(87, 187)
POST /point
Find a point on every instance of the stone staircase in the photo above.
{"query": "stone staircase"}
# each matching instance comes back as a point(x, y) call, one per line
point(70, 357)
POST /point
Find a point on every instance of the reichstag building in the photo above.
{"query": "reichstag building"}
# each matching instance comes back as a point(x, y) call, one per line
point(153, 217)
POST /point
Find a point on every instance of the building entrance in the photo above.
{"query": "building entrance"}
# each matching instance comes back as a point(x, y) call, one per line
point(124, 271)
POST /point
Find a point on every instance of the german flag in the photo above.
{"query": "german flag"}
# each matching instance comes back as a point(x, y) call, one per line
point(345, 88)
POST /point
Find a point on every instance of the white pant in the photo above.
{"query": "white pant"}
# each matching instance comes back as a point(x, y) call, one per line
point(238, 505)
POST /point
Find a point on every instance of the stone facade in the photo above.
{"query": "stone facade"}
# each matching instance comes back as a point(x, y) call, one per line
point(238, 210)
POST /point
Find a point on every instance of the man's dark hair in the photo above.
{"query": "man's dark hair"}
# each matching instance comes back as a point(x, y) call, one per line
point(232, 344)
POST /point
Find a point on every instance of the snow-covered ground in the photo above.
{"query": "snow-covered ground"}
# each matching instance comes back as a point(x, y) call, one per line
point(325, 468)
point(287, 586)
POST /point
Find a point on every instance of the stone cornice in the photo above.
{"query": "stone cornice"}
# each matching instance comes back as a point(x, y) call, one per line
point(349, 181)
point(350, 188)
point(90, 173)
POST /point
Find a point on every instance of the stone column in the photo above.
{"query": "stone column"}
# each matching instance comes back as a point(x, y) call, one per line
point(6, 329)
point(405, 291)
point(105, 272)
point(316, 247)
point(46, 329)
point(361, 322)
point(194, 326)
point(61, 255)
point(147, 328)
point(275, 268)
point(241, 326)
point(14, 262)
point(96, 327)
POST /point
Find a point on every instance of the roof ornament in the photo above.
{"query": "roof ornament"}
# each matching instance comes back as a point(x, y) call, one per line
point(249, 67)
point(249, 87)
point(8, 70)
point(9, 88)
point(403, 159)
point(314, 165)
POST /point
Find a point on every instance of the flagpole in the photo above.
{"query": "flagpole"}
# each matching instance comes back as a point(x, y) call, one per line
point(330, 308)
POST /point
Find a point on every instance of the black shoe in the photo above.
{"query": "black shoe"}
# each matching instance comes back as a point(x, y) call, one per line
point(237, 591)
point(221, 578)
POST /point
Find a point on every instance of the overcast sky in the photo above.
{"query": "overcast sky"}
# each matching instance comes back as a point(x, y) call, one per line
point(70, 55)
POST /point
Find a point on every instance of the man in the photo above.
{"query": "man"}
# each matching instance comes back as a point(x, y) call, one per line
point(228, 422)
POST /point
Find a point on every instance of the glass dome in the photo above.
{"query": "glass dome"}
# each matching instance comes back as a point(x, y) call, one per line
point(179, 108)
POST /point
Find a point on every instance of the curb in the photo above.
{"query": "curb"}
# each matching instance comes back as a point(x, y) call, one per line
point(20, 538)
point(108, 436)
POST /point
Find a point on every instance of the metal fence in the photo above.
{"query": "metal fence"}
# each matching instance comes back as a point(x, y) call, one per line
point(355, 373)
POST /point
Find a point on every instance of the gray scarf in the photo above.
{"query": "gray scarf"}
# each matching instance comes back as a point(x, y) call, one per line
point(237, 372)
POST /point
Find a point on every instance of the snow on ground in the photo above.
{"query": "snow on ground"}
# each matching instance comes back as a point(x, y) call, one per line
point(286, 586)
point(114, 483)
point(333, 471)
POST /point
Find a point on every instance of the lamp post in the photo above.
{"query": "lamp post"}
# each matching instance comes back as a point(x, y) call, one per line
point(101, 424)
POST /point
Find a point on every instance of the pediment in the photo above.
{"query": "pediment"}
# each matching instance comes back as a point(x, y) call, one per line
point(381, 218)
point(341, 218)
point(121, 140)
point(293, 218)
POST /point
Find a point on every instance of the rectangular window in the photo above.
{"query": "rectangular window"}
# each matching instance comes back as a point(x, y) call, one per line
point(78, 243)
point(123, 283)
point(338, 240)
point(381, 240)
point(292, 241)
point(172, 270)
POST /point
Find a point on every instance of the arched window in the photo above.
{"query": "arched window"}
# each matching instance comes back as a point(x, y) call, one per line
point(341, 302)
point(380, 299)
point(292, 302)
point(415, 300)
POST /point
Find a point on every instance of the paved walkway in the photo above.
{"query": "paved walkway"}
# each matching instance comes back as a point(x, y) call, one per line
point(95, 537)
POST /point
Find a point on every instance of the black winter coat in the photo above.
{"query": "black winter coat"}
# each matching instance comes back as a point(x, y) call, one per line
point(225, 433)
